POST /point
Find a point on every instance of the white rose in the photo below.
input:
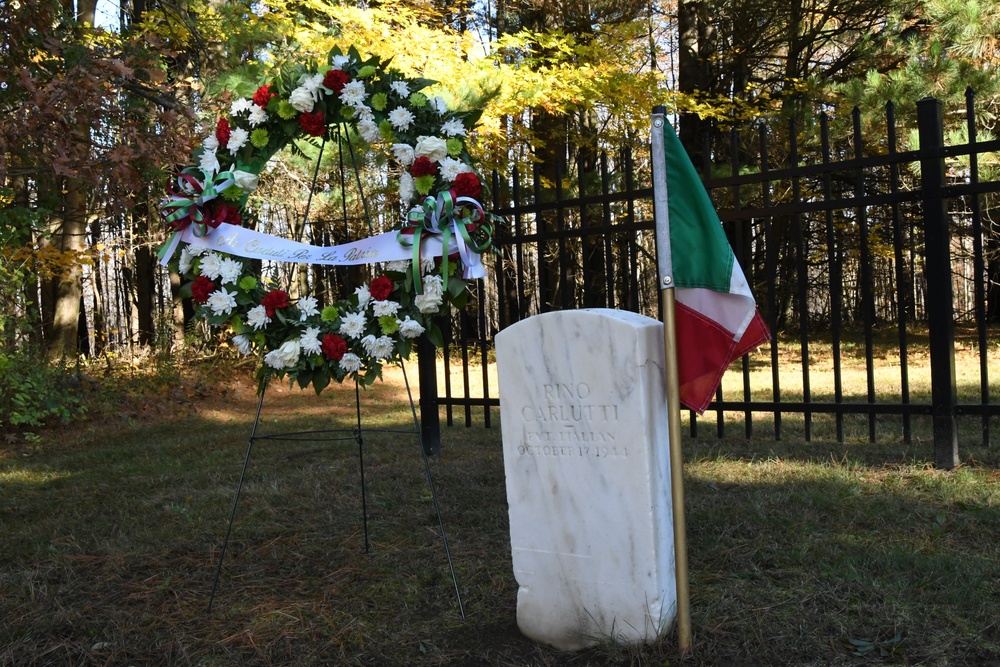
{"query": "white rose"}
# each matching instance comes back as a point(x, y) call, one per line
point(302, 99)
point(428, 303)
point(285, 356)
point(246, 180)
point(434, 148)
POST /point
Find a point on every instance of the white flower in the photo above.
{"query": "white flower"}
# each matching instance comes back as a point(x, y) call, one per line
point(439, 105)
point(242, 344)
point(405, 187)
point(308, 306)
point(211, 142)
point(340, 61)
point(434, 148)
point(433, 284)
point(401, 118)
point(427, 303)
point(383, 308)
point(379, 348)
point(241, 105)
point(310, 341)
point(350, 362)
point(364, 113)
point(230, 270)
point(400, 88)
point(211, 266)
point(313, 84)
point(198, 250)
point(353, 325)
point(209, 162)
point(353, 93)
point(237, 140)
point(285, 356)
point(221, 302)
point(453, 128)
point(245, 180)
point(302, 99)
point(186, 260)
point(450, 168)
point(257, 317)
point(364, 296)
point(427, 265)
point(369, 131)
point(398, 265)
point(258, 116)
point(410, 328)
point(403, 154)
point(432, 297)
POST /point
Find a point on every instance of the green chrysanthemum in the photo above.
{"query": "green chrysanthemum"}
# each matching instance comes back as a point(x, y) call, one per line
point(389, 324)
point(385, 129)
point(379, 100)
point(260, 137)
point(247, 283)
point(366, 71)
point(232, 194)
point(286, 110)
point(329, 314)
point(423, 184)
point(455, 146)
point(419, 100)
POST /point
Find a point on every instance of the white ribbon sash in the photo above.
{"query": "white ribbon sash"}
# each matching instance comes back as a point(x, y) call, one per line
point(243, 242)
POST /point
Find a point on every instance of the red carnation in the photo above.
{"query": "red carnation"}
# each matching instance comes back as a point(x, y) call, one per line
point(223, 213)
point(335, 80)
point(273, 300)
point(263, 95)
point(423, 166)
point(201, 288)
point(222, 131)
point(467, 185)
point(381, 288)
point(334, 347)
point(313, 124)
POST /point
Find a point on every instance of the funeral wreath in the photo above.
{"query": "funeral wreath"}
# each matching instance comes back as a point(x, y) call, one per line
point(425, 264)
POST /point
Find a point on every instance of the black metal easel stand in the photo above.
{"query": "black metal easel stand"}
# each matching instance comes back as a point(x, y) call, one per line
point(357, 434)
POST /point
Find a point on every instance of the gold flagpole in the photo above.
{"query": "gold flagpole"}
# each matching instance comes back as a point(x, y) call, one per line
point(676, 470)
point(666, 278)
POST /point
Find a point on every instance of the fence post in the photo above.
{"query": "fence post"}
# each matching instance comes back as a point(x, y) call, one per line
point(430, 419)
point(937, 272)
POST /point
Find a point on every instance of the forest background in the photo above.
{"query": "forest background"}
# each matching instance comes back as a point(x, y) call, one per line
point(101, 101)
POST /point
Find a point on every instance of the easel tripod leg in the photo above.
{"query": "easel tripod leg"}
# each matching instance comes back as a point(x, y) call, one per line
point(236, 500)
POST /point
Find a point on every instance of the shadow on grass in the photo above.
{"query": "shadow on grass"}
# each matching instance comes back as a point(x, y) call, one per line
point(112, 537)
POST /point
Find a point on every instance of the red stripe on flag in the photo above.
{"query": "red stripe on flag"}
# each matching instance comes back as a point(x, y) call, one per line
point(704, 351)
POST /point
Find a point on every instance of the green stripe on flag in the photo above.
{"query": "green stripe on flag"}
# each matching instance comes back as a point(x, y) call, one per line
point(701, 254)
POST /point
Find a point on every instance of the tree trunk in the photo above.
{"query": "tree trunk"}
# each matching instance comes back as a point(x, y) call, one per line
point(689, 73)
point(64, 291)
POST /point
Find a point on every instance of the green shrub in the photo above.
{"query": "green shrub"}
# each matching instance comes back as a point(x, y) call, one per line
point(35, 392)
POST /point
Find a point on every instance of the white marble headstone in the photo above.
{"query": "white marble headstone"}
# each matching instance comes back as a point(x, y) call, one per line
point(586, 456)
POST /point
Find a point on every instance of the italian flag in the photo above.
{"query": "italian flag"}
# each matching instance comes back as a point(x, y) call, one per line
point(716, 315)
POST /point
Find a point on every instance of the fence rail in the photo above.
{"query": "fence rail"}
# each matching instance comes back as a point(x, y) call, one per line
point(850, 239)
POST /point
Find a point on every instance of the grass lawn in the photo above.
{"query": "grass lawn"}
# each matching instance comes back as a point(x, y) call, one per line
point(800, 553)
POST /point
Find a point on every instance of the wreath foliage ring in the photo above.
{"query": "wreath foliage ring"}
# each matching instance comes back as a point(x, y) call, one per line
point(377, 324)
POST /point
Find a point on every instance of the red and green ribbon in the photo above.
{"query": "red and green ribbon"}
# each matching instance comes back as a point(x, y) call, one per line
point(446, 216)
point(184, 204)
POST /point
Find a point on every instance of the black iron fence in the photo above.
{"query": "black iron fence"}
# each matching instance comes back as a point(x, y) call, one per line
point(857, 237)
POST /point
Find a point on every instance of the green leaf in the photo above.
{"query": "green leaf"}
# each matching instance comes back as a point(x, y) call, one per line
point(434, 336)
point(304, 377)
point(321, 378)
